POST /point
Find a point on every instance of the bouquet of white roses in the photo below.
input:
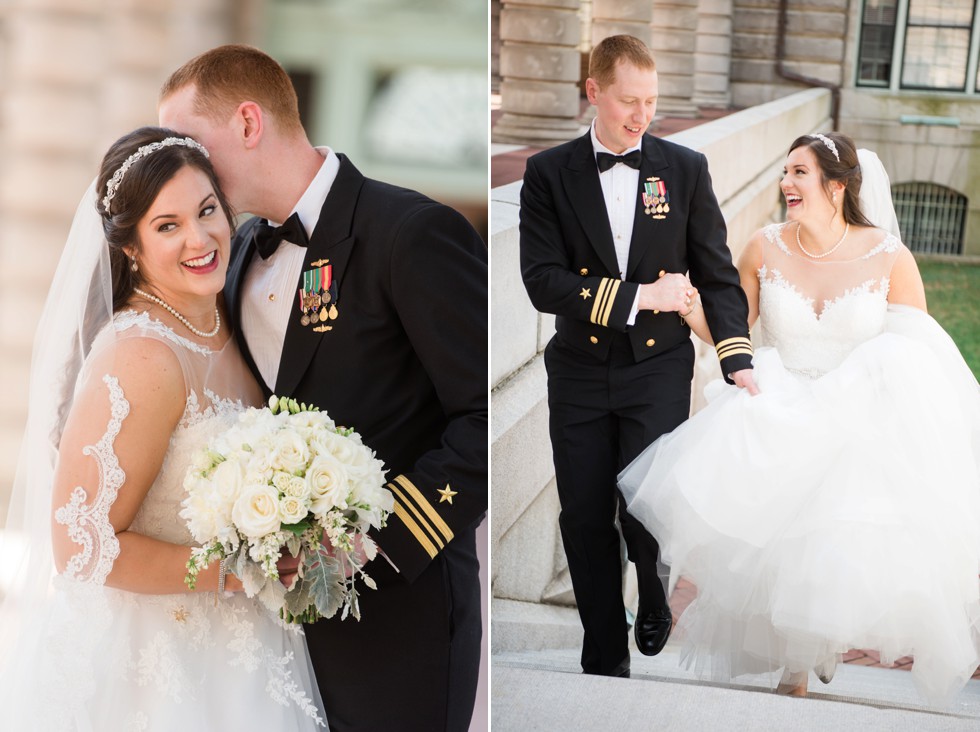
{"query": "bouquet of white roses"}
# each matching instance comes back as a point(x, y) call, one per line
point(285, 476)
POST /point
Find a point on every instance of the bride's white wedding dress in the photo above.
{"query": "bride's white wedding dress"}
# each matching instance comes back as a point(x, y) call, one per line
point(101, 659)
point(838, 509)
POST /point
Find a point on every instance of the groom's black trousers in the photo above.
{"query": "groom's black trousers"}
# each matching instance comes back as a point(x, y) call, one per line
point(603, 414)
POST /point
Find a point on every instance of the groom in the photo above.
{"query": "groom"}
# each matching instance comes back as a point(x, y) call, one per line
point(609, 224)
point(369, 301)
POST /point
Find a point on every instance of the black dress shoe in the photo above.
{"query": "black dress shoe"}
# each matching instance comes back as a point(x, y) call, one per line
point(621, 671)
point(651, 631)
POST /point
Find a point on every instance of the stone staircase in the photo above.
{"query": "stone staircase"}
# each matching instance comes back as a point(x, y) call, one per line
point(543, 689)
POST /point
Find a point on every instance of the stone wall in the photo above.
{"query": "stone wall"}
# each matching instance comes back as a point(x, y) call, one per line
point(73, 77)
point(531, 592)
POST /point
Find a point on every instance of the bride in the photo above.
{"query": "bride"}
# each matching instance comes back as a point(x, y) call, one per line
point(841, 506)
point(134, 369)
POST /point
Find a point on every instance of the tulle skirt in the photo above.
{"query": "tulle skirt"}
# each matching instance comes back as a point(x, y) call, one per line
point(96, 659)
point(828, 514)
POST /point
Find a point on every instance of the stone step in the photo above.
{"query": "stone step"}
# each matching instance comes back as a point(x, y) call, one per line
point(544, 690)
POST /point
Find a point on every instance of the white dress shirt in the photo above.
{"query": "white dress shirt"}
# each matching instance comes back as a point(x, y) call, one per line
point(269, 294)
point(620, 186)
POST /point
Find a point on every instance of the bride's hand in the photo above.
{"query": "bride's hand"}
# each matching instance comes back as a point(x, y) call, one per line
point(673, 292)
point(288, 566)
point(745, 380)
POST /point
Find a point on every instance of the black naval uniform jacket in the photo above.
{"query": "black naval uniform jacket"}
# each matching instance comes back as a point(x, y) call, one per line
point(404, 363)
point(568, 260)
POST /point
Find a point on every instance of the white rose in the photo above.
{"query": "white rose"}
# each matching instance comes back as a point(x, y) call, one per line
point(256, 512)
point(203, 521)
point(226, 481)
point(370, 493)
point(292, 509)
point(289, 451)
point(329, 484)
point(297, 487)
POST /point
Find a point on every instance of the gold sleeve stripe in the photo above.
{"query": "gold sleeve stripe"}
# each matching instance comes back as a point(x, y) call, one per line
point(736, 352)
point(420, 537)
point(427, 507)
point(613, 289)
point(604, 299)
point(731, 346)
point(425, 531)
point(599, 297)
point(739, 340)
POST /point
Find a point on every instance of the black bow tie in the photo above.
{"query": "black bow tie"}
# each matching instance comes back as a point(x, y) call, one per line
point(606, 160)
point(267, 236)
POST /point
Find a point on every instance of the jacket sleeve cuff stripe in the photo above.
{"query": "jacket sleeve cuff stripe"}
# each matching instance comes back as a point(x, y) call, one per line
point(413, 527)
point(422, 503)
point(730, 346)
point(605, 298)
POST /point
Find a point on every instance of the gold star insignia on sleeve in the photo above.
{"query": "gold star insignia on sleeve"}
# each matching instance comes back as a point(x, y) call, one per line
point(586, 293)
point(447, 494)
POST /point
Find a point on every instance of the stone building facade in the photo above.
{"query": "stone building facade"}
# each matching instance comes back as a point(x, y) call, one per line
point(903, 76)
point(74, 76)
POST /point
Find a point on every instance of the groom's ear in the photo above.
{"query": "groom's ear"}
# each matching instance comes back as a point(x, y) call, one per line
point(591, 89)
point(251, 123)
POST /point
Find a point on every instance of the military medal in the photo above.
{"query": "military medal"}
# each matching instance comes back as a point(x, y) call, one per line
point(317, 293)
point(656, 198)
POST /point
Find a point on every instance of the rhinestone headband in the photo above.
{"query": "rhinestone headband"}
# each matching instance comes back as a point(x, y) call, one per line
point(829, 143)
point(113, 185)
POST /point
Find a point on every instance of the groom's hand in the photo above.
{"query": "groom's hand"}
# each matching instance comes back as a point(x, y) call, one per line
point(673, 292)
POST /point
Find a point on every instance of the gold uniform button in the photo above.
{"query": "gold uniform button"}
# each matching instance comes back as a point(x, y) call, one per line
point(583, 271)
point(593, 339)
point(662, 273)
point(272, 297)
point(656, 312)
point(650, 342)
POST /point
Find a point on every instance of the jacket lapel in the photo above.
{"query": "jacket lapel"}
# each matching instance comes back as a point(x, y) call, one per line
point(646, 232)
point(581, 182)
point(242, 252)
point(331, 240)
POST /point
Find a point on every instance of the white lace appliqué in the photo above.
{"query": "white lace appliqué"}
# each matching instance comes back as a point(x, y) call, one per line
point(88, 524)
point(773, 234)
point(130, 318)
point(887, 245)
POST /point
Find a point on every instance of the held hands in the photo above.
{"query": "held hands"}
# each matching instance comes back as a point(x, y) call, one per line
point(673, 292)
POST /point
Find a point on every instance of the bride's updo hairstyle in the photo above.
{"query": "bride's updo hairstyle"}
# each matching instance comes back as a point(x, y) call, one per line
point(124, 199)
point(827, 148)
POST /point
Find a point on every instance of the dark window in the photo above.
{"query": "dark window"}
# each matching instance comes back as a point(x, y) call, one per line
point(877, 42)
point(931, 217)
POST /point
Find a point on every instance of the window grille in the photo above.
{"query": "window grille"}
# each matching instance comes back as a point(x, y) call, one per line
point(931, 217)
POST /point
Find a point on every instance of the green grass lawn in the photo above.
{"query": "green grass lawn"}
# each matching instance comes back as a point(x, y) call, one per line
point(953, 296)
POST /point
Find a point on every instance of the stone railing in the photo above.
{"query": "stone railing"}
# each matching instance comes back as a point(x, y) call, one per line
point(532, 598)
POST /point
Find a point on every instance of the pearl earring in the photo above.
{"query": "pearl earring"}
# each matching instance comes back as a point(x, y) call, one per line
point(835, 198)
point(135, 267)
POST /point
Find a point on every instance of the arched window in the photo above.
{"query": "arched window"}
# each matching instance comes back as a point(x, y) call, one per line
point(931, 217)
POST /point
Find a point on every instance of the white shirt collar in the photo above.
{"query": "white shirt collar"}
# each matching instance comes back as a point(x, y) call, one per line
point(310, 204)
point(598, 147)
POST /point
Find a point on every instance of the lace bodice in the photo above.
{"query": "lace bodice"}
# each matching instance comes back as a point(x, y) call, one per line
point(816, 313)
point(217, 387)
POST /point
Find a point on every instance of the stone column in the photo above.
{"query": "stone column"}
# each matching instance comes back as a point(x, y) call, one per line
point(675, 25)
point(75, 76)
point(616, 17)
point(539, 68)
point(713, 54)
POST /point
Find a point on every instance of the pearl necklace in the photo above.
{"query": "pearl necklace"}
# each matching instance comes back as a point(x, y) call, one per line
point(181, 318)
point(847, 227)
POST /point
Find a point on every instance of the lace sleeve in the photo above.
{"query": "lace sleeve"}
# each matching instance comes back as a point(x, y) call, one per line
point(86, 516)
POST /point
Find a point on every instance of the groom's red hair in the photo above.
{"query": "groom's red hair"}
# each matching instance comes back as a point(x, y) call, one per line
point(226, 76)
point(613, 49)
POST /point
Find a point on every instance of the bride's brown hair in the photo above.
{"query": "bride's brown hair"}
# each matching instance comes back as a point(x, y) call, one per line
point(137, 191)
point(847, 170)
